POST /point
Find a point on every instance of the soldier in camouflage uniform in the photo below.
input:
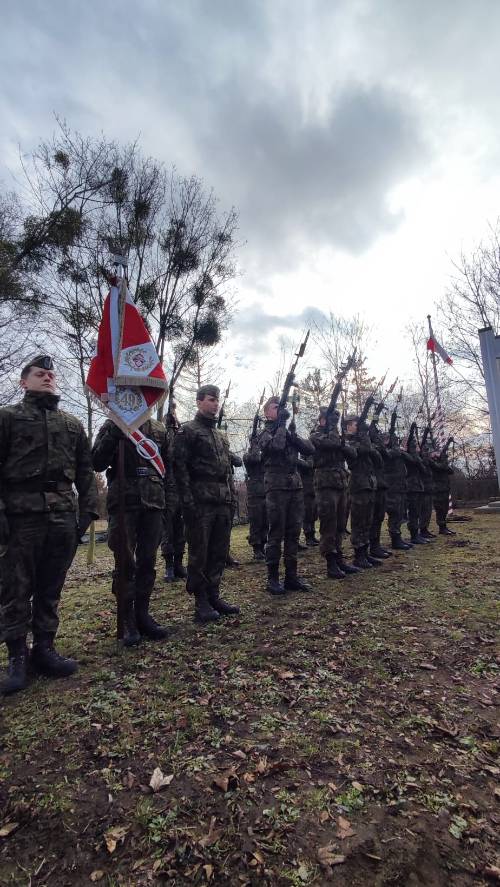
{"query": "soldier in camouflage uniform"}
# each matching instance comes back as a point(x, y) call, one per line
point(395, 475)
point(306, 471)
point(379, 505)
point(202, 466)
point(428, 493)
point(331, 480)
point(363, 487)
point(442, 471)
point(256, 499)
point(173, 540)
point(43, 453)
point(144, 508)
point(415, 488)
point(236, 462)
point(284, 500)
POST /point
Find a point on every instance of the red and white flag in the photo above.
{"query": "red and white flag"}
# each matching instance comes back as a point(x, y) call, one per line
point(125, 374)
point(434, 346)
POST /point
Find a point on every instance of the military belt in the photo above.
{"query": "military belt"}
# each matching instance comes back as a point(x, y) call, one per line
point(37, 485)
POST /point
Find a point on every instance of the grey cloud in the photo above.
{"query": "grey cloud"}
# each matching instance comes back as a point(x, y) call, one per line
point(253, 321)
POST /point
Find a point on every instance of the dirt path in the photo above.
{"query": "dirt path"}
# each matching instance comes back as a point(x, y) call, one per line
point(349, 736)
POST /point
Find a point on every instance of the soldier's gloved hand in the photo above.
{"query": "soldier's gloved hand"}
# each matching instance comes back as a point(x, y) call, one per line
point(84, 521)
point(4, 528)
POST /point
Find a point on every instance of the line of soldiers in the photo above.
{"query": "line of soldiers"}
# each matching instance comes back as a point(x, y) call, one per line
point(45, 456)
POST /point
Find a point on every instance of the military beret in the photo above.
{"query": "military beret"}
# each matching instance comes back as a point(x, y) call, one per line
point(351, 418)
point(43, 361)
point(207, 391)
point(323, 412)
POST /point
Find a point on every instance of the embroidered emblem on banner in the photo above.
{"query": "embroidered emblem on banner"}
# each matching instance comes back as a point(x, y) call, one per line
point(128, 399)
point(138, 359)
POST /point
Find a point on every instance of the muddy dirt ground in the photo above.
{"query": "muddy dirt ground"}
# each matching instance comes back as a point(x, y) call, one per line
point(348, 736)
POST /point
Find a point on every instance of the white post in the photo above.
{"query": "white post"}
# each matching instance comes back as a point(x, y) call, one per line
point(490, 353)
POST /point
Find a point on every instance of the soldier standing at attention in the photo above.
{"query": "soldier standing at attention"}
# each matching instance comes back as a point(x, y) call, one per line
point(173, 539)
point(43, 452)
point(428, 483)
point(331, 479)
point(415, 487)
point(202, 466)
point(256, 499)
point(395, 475)
point(144, 507)
point(379, 459)
point(363, 486)
point(284, 501)
point(442, 471)
point(306, 471)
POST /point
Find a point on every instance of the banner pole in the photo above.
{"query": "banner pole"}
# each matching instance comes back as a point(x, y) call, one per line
point(121, 583)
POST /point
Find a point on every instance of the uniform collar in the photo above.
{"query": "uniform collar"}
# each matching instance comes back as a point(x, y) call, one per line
point(209, 421)
point(42, 400)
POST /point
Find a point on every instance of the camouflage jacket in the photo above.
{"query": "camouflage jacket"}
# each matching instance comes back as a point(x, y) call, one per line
point(427, 474)
point(379, 464)
point(43, 453)
point(362, 465)
point(414, 467)
point(202, 464)
point(441, 471)
point(144, 488)
point(306, 471)
point(254, 467)
point(280, 451)
point(395, 469)
point(330, 470)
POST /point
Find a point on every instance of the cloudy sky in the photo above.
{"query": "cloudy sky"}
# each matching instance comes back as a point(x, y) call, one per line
point(359, 139)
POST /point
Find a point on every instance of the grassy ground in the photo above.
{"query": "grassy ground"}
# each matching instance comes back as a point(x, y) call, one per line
point(347, 736)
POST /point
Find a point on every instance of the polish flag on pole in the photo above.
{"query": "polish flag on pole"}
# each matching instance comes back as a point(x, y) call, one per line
point(125, 374)
point(434, 346)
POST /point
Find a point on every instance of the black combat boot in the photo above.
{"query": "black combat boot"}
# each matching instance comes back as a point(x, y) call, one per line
point(258, 553)
point(203, 610)
point(398, 544)
point(231, 561)
point(311, 541)
point(377, 551)
point(47, 661)
point(333, 570)
point(346, 568)
point(292, 581)
point(131, 636)
point(17, 677)
point(417, 540)
point(360, 559)
point(169, 568)
point(180, 571)
point(374, 561)
point(222, 606)
point(426, 534)
point(445, 531)
point(146, 625)
point(274, 585)
point(301, 546)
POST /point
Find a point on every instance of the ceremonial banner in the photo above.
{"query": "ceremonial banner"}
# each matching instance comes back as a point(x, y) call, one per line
point(434, 346)
point(125, 374)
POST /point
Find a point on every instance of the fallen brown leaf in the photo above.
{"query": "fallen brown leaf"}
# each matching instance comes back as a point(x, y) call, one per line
point(159, 781)
point(345, 829)
point(327, 856)
point(114, 835)
point(8, 828)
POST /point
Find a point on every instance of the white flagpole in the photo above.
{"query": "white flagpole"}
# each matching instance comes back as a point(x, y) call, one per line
point(439, 410)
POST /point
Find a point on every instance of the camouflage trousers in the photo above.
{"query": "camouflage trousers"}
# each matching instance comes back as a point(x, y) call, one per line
point(395, 504)
point(379, 507)
point(425, 511)
point(441, 506)
point(332, 519)
point(310, 515)
point(414, 500)
point(173, 540)
point(362, 504)
point(208, 538)
point(32, 572)
point(257, 519)
point(143, 529)
point(284, 515)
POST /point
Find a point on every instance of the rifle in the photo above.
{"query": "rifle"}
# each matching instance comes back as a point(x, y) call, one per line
point(427, 431)
point(256, 418)
point(337, 388)
point(223, 407)
point(446, 447)
point(362, 424)
point(392, 428)
point(289, 381)
point(412, 435)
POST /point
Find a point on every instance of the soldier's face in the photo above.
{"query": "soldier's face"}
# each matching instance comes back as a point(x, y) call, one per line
point(39, 379)
point(352, 427)
point(209, 406)
point(271, 412)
